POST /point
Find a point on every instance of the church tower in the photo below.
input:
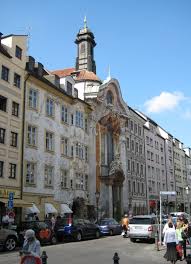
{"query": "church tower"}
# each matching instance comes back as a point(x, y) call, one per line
point(85, 49)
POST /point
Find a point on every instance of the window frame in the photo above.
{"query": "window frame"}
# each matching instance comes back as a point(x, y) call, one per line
point(18, 52)
point(17, 80)
point(15, 109)
point(3, 103)
point(12, 170)
point(5, 73)
point(14, 139)
point(2, 137)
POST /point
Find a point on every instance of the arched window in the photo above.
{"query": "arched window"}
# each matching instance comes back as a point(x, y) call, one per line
point(109, 97)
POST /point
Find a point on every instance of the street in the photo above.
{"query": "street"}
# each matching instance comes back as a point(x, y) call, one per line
point(96, 251)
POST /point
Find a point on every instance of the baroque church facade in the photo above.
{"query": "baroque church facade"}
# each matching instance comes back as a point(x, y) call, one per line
point(117, 160)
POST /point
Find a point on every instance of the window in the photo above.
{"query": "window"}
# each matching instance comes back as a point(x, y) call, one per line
point(50, 107)
point(82, 48)
point(12, 170)
point(152, 156)
point(129, 184)
point(128, 165)
point(137, 168)
point(79, 119)
point(17, 80)
point(141, 149)
point(30, 173)
point(72, 151)
point(132, 145)
point(79, 151)
point(49, 141)
point(72, 119)
point(147, 140)
point(151, 142)
point(71, 184)
point(79, 181)
point(32, 135)
point(2, 135)
point(142, 169)
point(86, 125)
point(134, 187)
point(48, 176)
point(162, 161)
point(86, 153)
point(5, 73)
point(69, 88)
point(148, 155)
point(132, 125)
point(1, 168)
point(15, 109)
point(133, 166)
point(3, 103)
point(64, 178)
point(136, 147)
point(135, 128)
point(128, 146)
point(142, 187)
point(139, 131)
point(33, 98)
point(109, 97)
point(18, 52)
point(86, 182)
point(14, 137)
point(64, 114)
point(64, 146)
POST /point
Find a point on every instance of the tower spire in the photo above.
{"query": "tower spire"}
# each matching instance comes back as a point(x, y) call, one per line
point(85, 22)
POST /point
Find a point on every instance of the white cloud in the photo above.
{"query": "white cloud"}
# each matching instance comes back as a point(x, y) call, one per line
point(164, 101)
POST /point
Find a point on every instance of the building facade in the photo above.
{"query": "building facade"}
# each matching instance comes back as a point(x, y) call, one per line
point(12, 70)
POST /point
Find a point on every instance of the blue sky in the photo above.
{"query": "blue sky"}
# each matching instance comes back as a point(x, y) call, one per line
point(147, 44)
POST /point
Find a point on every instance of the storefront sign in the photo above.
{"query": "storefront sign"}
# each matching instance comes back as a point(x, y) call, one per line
point(4, 193)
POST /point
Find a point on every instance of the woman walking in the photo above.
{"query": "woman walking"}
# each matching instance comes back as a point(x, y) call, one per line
point(170, 240)
point(179, 230)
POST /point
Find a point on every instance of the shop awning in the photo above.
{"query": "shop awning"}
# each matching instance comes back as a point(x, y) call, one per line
point(32, 210)
point(17, 202)
point(65, 209)
point(50, 209)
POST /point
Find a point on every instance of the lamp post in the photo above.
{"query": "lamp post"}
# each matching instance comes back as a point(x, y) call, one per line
point(97, 195)
point(188, 198)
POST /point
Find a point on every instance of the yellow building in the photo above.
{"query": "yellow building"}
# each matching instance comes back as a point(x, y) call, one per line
point(12, 72)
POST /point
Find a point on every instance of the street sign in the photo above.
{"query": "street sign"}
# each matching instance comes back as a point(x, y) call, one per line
point(11, 196)
point(10, 204)
point(167, 193)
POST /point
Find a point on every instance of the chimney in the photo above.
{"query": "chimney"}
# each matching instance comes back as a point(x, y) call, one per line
point(1, 34)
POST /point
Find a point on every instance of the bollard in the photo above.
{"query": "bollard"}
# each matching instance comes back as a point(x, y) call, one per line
point(44, 257)
point(116, 258)
point(156, 241)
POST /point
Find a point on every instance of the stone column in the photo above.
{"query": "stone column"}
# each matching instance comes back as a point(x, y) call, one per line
point(110, 201)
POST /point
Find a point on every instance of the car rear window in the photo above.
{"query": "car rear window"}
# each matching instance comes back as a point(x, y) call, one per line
point(140, 221)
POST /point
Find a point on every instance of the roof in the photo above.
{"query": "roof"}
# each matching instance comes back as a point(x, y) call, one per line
point(13, 35)
point(4, 51)
point(82, 75)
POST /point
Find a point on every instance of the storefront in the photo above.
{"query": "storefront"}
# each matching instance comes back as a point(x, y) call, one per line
point(18, 203)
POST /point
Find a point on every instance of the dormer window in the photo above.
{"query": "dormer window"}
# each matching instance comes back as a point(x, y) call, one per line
point(69, 88)
point(18, 53)
point(109, 97)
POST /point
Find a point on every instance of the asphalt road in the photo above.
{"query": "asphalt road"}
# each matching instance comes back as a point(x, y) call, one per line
point(97, 251)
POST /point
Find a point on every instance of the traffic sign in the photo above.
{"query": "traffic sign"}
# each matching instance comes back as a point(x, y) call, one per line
point(11, 196)
point(10, 204)
point(167, 193)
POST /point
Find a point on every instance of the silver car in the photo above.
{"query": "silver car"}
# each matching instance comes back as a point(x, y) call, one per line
point(143, 227)
point(8, 239)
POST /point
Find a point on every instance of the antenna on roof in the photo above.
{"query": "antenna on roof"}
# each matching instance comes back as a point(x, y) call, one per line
point(28, 37)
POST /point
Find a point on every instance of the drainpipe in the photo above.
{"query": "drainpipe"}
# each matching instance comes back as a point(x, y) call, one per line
point(23, 134)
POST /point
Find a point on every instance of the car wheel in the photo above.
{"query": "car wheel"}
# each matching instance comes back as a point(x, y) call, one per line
point(111, 232)
point(97, 234)
point(132, 239)
point(79, 236)
point(10, 243)
point(53, 240)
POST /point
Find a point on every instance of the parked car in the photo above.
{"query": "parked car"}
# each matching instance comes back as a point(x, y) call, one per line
point(143, 227)
point(78, 230)
point(110, 226)
point(43, 232)
point(8, 239)
point(179, 214)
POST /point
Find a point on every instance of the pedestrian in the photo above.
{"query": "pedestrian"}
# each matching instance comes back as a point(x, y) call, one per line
point(125, 223)
point(184, 233)
point(53, 220)
point(179, 230)
point(57, 223)
point(31, 246)
point(170, 240)
point(36, 218)
point(5, 220)
point(166, 226)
